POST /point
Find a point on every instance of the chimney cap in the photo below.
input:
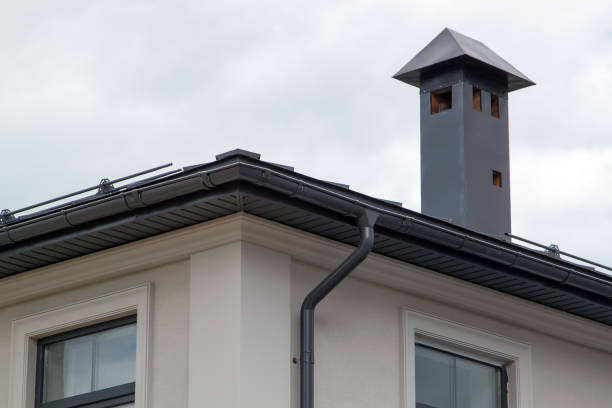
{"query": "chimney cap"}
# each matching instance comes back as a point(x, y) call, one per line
point(450, 46)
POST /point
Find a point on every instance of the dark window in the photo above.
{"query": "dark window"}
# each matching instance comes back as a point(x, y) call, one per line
point(91, 367)
point(495, 106)
point(449, 380)
point(497, 178)
point(441, 100)
point(476, 101)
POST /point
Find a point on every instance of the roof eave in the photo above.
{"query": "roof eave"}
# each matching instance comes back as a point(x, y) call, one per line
point(414, 76)
point(316, 197)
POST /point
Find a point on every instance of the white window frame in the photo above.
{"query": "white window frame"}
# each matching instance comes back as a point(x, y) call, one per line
point(27, 330)
point(472, 342)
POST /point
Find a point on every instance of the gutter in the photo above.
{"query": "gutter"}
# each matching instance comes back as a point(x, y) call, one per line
point(417, 225)
point(19, 234)
point(307, 314)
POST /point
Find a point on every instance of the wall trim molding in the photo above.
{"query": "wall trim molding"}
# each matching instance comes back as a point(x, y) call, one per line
point(124, 259)
point(421, 282)
point(307, 248)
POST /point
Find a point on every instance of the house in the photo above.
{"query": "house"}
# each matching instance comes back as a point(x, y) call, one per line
point(201, 288)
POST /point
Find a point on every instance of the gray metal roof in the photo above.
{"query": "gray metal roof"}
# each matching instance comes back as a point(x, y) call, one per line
point(450, 46)
point(240, 181)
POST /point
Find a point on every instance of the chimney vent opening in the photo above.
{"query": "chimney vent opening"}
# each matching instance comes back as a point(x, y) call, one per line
point(441, 100)
point(497, 178)
point(495, 106)
point(476, 101)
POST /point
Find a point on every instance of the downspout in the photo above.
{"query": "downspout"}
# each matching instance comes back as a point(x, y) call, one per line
point(366, 231)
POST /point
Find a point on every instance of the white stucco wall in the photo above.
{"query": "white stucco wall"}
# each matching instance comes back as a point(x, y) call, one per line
point(225, 320)
point(358, 348)
point(169, 327)
point(240, 328)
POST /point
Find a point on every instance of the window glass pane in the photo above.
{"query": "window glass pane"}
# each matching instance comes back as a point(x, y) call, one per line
point(115, 357)
point(434, 378)
point(477, 385)
point(89, 363)
point(68, 368)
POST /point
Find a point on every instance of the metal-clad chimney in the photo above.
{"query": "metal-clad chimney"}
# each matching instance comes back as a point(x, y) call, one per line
point(465, 169)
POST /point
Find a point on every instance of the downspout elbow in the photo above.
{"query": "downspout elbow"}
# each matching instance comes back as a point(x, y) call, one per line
point(366, 231)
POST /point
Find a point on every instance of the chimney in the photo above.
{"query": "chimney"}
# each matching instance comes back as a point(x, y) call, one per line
point(465, 169)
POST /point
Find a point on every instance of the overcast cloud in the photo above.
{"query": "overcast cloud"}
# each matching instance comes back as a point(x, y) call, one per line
point(92, 89)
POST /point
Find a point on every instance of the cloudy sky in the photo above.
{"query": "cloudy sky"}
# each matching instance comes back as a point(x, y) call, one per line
point(92, 89)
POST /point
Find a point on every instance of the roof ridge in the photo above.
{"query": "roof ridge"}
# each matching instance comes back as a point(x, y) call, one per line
point(452, 34)
point(457, 35)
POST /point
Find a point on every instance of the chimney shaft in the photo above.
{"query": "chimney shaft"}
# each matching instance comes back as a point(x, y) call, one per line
point(465, 169)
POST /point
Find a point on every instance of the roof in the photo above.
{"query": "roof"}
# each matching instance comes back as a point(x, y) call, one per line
point(450, 46)
point(240, 181)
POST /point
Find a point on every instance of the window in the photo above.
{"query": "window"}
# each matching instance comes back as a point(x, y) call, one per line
point(497, 178)
point(28, 332)
point(495, 106)
point(469, 367)
point(449, 380)
point(441, 100)
point(476, 100)
point(92, 366)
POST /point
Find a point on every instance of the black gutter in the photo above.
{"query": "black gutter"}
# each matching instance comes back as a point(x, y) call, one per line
point(408, 222)
point(120, 219)
point(366, 228)
point(16, 236)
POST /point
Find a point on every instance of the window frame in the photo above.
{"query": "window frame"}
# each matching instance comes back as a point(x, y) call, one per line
point(105, 398)
point(27, 330)
point(503, 371)
point(514, 355)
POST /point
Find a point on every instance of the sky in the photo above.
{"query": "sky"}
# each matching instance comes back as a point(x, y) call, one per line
point(94, 89)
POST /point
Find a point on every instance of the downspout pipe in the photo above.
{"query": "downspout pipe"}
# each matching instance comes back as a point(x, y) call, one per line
point(307, 314)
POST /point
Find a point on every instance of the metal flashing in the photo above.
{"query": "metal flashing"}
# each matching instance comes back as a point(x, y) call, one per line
point(449, 48)
point(238, 152)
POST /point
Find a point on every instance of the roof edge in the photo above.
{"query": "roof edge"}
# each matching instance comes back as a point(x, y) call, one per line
point(346, 203)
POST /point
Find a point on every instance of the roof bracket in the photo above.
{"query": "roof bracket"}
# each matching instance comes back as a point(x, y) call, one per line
point(553, 251)
point(105, 186)
point(6, 216)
